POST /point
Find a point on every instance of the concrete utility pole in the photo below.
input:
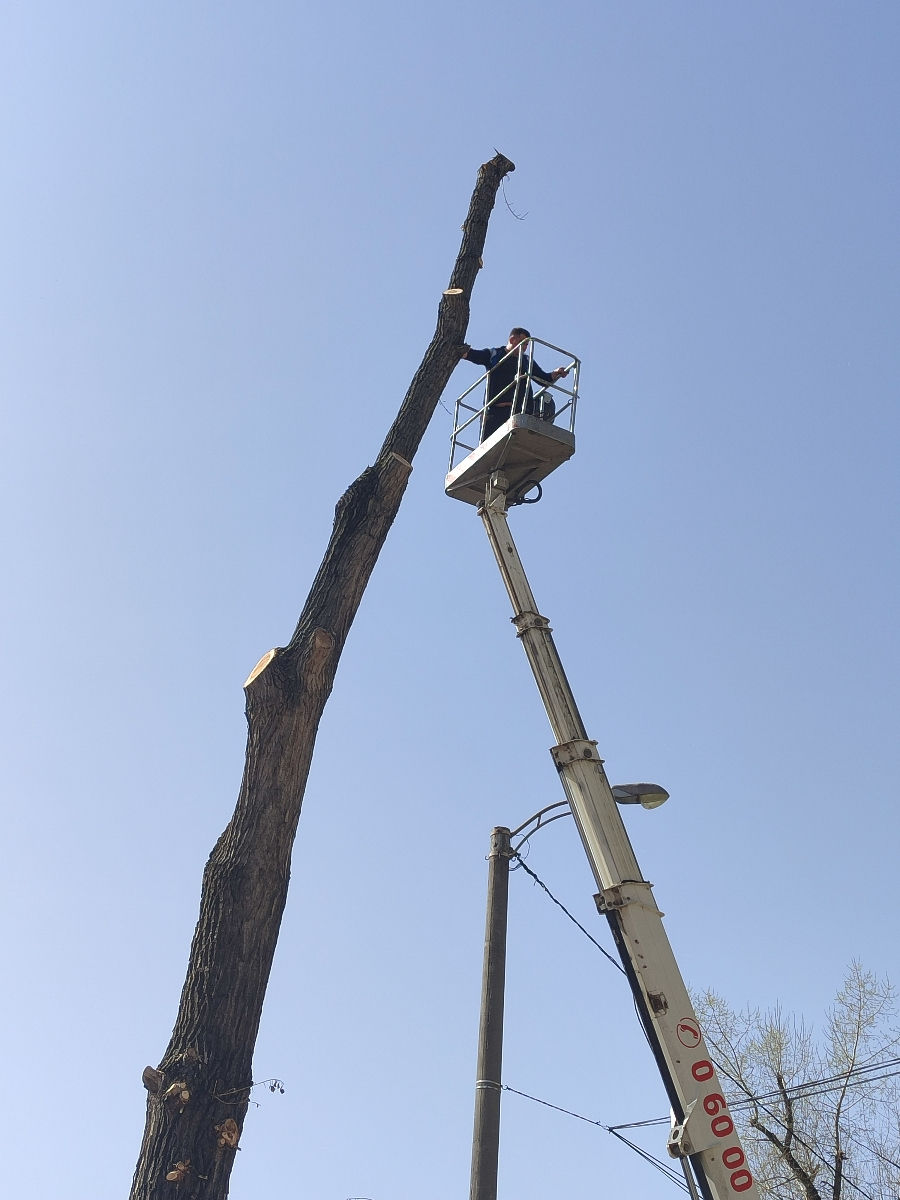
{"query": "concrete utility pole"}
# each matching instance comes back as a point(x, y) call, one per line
point(486, 1133)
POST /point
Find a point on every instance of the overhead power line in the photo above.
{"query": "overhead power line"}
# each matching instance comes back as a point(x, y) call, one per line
point(801, 1091)
point(658, 1163)
point(589, 936)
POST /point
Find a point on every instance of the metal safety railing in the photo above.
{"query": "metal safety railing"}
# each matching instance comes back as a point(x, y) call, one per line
point(528, 389)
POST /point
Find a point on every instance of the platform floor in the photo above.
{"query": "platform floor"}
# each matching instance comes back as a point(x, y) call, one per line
point(524, 449)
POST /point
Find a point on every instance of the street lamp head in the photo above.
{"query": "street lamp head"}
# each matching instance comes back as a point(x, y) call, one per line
point(648, 795)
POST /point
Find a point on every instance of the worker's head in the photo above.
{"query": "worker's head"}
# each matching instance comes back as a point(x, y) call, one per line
point(516, 336)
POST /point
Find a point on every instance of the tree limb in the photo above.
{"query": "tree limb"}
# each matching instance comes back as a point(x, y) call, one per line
point(197, 1097)
point(810, 1191)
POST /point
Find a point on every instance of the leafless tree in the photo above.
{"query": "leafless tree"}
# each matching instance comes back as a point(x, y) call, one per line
point(198, 1094)
point(819, 1113)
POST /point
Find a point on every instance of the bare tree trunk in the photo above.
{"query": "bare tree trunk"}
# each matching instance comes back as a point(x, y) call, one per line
point(198, 1095)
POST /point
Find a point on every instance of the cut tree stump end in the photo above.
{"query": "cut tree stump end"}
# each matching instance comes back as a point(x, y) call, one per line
point(260, 667)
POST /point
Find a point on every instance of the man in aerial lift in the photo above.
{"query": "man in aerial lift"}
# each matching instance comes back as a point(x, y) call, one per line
point(508, 372)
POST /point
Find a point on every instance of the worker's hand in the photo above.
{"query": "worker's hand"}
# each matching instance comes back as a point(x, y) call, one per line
point(463, 350)
point(559, 373)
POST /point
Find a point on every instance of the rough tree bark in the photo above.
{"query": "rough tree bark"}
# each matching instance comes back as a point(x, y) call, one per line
point(198, 1095)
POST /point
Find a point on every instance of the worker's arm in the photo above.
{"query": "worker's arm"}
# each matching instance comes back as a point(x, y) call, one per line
point(542, 377)
point(481, 358)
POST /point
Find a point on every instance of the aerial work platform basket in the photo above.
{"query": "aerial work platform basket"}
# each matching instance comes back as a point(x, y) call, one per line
point(528, 445)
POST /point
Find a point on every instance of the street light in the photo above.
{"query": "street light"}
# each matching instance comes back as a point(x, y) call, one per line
point(648, 795)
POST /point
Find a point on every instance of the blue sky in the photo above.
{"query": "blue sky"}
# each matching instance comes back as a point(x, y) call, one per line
point(228, 228)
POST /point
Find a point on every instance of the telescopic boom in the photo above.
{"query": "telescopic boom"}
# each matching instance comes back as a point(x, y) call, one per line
point(703, 1132)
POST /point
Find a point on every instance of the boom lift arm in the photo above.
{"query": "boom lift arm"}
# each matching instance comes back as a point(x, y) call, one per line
point(703, 1132)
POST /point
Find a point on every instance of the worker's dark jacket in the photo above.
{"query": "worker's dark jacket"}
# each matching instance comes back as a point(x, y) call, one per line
point(505, 393)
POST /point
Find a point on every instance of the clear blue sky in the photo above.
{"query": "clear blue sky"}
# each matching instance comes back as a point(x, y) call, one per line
point(227, 228)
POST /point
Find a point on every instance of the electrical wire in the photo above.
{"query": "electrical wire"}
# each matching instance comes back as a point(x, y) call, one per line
point(658, 1163)
point(811, 1150)
point(804, 1094)
point(794, 1092)
point(816, 1087)
point(798, 1091)
point(574, 921)
point(661, 1166)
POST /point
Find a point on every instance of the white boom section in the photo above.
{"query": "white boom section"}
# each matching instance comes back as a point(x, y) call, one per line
point(704, 1131)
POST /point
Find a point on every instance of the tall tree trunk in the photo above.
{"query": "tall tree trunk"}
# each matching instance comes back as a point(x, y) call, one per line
point(198, 1095)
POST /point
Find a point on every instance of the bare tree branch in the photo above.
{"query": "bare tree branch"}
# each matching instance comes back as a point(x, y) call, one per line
point(782, 1145)
point(809, 1101)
